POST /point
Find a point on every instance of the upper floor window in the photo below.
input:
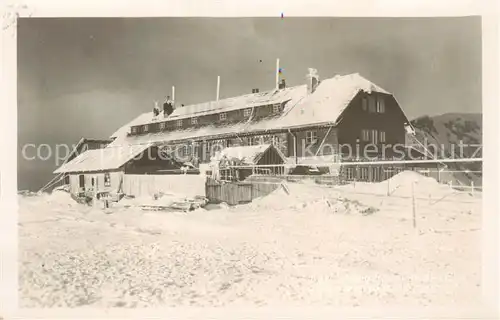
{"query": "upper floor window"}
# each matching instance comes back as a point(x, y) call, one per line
point(371, 104)
point(178, 123)
point(382, 136)
point(374, 136)
point(162, 125)
point(276, 108)
point(222, 116)
point(364, 103)
point(145, 128)
point(380, 105)
point(247, 112)
point(194, 121)
point(134, 130)
point(311, 137)
point(365, 135)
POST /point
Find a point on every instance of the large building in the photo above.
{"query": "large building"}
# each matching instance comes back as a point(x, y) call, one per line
point(326, 122)
point(334, 116)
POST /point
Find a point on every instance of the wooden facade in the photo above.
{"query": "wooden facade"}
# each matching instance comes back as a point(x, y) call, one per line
point(374, 118)
point(234, 193)
point(370, 118)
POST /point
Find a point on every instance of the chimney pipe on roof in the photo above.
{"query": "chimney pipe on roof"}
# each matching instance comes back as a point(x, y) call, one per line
point(312, 80)
point(173, 94)
point(282, 84)
point(218, 88)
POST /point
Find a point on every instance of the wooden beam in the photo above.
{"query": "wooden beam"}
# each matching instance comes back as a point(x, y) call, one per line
point(324, 139)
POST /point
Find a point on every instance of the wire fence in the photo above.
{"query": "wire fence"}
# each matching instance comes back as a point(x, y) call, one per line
point(461, 180)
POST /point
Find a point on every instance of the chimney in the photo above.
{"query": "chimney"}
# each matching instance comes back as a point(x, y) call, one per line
point(282, 84)
point(218, 88)
point(312, 80)
point(168, 107)
point(173, 94)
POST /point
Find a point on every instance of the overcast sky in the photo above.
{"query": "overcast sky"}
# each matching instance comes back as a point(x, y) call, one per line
point(85, 77)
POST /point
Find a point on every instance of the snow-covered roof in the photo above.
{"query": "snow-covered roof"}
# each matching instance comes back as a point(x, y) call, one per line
point(324, 106)
point(109, 158)
point(224, 105)
point(328, 101)
point(248, 155)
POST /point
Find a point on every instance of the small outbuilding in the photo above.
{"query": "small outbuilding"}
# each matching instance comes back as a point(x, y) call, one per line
point(237, 163)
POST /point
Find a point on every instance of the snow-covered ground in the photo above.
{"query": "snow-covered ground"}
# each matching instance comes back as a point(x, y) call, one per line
point(342, 246)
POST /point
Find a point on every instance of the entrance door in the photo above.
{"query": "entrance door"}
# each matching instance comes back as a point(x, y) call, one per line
point(81, 181)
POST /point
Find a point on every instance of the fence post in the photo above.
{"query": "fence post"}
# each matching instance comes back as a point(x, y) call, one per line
point(95, 190)
point(388, 188)
point(472, 187)
point(413, 204)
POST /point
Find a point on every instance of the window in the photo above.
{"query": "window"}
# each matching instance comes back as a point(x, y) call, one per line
point(364, 104)
point(371, 104)
point(251, 141)
point(276, 108)
point(259, 140)
point(374, 136)
point(178, 123)
point(247, 112)
point(134, 130)
point(365, 135)
point(380, 105)
point(162, 125)
point(311, 137)
point(194, 121)
point(363, 173)
point(382, 136)
point(145, 128)
point(222, 116)
point(81, 179)
point(349, 173)
point(107, 179)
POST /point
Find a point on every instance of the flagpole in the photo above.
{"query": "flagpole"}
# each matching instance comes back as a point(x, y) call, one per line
point(277, 73)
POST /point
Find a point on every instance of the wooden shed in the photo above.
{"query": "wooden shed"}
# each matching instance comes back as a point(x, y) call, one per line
point(237, 163)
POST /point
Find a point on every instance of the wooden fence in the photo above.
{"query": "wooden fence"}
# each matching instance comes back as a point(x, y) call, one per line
point(147, 185)
point(234, 193)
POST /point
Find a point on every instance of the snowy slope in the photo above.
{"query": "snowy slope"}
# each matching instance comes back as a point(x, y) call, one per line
point(314, 246)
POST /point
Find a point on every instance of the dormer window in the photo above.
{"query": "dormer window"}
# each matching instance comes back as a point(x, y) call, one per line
point(247, 112)
point(276, 108)
point(178, 123)
point(134, 130)
point(162, 125)
point(222, 116)
point(194, 121)
point(145, 128)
